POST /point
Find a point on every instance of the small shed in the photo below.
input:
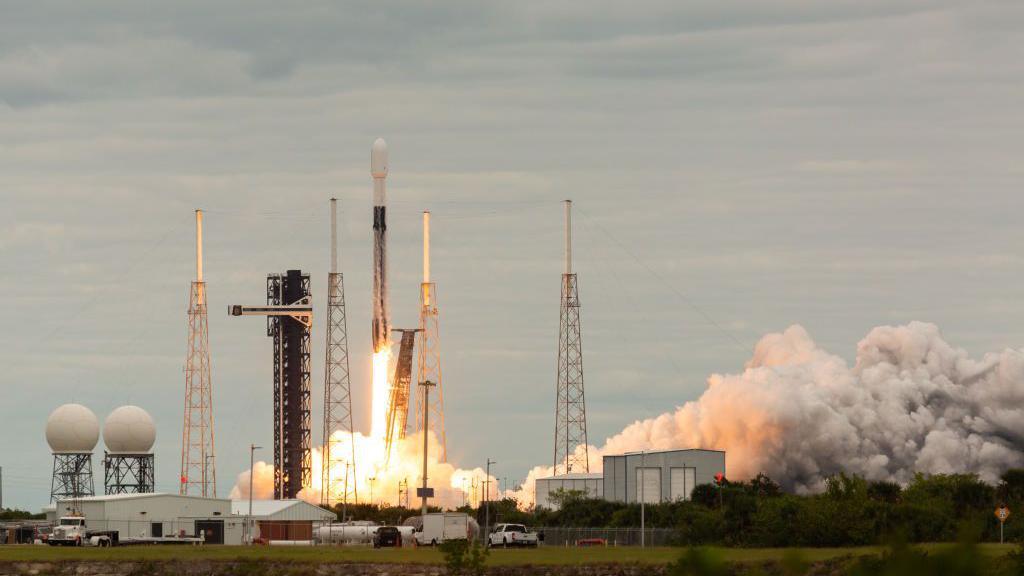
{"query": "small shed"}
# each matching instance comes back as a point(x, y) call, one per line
point(283, 519)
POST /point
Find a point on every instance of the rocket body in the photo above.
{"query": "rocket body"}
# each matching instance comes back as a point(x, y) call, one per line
point(381, 323)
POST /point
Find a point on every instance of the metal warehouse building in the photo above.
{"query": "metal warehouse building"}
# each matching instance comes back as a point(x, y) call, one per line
point(283, 519)
point(591, 484)
point(653, 477)
point(662, 476)
point(156, 514)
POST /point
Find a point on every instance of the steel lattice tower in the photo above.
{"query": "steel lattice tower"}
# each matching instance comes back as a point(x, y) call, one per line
point(198, 472)
point(430, 352)
point(337, 391)
point(72, 476)
point(128, 474)
point(570, 408)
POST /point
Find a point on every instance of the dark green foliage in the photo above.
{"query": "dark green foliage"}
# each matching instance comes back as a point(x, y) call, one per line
point(885, 492)
point(13, 514)
point(697, 562)
point(900, 560)
point(706, 494)
point(851, 511)
point(393, 515)
point(461, 557)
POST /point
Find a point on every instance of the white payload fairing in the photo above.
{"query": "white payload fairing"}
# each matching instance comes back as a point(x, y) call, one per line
point(381, 328)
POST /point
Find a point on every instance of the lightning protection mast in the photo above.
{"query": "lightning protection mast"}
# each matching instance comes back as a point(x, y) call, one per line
point(430, 354)
point(339, 484)
point(570, 408)
point(198, 473)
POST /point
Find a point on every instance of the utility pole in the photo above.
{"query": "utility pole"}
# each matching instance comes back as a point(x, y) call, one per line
point(643, 498)
point(487, 500)
point(1, 487)
point(248, 520)
point(426, 384)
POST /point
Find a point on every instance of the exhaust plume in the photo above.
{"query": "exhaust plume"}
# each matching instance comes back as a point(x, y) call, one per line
point(910, 403)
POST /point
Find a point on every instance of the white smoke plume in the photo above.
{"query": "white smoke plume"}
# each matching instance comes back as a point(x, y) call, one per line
point(911, 403)
point(453, 487)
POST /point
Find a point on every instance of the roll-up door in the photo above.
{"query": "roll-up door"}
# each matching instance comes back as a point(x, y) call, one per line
point(648, 485)
point(682, 482)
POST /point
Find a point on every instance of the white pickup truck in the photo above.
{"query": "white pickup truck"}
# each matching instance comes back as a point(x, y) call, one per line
point(72, 531)
point(512, 535)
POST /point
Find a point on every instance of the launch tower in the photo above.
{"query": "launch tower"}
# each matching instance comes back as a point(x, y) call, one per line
point(289, 325)
point(570, 408)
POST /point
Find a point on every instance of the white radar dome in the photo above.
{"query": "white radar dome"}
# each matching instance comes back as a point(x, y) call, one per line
point(129, 430)
point(379, 158)
point(72, 428)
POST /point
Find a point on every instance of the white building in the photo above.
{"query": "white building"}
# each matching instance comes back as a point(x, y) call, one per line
point(659, 476)
point(653, 477)
point(283, 519)
point(157, 514)
point(590, 484)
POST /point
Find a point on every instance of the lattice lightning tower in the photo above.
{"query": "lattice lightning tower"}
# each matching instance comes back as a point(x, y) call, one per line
point(339, 465)
point(198, 471)
point(430, 352)
point(570, 408)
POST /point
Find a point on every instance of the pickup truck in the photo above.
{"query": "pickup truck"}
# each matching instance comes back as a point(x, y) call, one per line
point(512, 535)
point(72, 531)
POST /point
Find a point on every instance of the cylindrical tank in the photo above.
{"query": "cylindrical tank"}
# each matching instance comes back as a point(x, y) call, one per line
point(129, 430)
point(358, 532)
point(72, 429)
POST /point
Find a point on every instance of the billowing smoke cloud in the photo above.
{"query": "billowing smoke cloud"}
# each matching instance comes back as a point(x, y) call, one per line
point(911, 403)
point(453, 487)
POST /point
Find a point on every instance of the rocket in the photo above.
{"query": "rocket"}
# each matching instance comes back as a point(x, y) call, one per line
point(381, 323)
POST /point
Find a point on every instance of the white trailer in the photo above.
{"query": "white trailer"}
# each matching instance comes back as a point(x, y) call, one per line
point(440, 526)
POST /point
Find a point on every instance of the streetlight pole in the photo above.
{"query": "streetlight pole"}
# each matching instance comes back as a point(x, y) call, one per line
point(427, 384)
point(643, 498)
point(248, 520)
point(487, 501)
point(372, 479)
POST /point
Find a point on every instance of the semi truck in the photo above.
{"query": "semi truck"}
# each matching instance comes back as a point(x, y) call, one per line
point(72, 531)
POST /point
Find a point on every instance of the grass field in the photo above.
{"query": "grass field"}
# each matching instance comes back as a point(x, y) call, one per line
point(430, 556)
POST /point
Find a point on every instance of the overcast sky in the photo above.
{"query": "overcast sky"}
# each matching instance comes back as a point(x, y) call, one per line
point(737, 167)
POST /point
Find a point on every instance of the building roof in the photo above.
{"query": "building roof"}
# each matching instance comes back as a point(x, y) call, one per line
point(282, 510)
point(669, 451)
point(576, 476)
point(109, 497)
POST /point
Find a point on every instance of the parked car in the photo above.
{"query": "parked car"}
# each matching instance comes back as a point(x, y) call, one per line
point(387, 537)
point(512, 535)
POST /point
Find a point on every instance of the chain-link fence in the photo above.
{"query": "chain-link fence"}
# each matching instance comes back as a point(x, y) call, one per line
point(569, 536)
